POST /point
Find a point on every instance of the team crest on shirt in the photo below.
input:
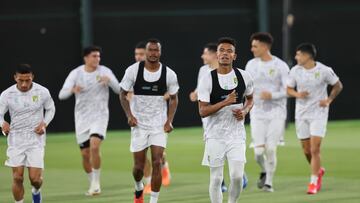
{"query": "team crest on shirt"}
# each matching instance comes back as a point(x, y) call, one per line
point(271, 71)
point(35, 98)
point(98, 78)
point(235, 80)
point(317, 75)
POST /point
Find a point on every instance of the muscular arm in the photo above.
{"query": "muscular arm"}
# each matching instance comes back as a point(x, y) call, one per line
point(206, 109)
point(124, 102)
point(335, 91)
point(173, 103)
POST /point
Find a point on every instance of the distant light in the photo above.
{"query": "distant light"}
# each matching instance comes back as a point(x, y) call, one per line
point(290, 20)
point(43, 31)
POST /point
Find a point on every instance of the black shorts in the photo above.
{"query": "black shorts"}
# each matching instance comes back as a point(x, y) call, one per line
point(86, 144)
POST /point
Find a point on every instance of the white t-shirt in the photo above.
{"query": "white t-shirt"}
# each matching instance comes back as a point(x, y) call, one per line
point(26, 112)
point(223, 124)
point(315, 81)
point(91, 104)
point(150, 111)
point(270, 76)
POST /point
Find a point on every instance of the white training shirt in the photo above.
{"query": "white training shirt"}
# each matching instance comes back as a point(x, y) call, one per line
point(223, 124)
point(270, 76)
point(91, 104)
point(150, 111)
point(26, 113)
point(315, 81)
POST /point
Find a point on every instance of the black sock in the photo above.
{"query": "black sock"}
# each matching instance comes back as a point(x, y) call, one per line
point(138, 193)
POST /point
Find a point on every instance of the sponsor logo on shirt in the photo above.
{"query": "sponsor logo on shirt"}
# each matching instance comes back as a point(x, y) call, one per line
point(155, 88)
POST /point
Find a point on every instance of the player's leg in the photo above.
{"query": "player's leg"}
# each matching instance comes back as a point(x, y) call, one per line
point(276, 129)
point(147, 176)
point(138, 173)
point(258, 132)
point(17, 185)
point(236, 172)
point(35, 175)
point(85, 155)
point(216, 177)
point(165, 171)
point(303, 134)
point(156, 178)
point(305, 144)
point(95, 159)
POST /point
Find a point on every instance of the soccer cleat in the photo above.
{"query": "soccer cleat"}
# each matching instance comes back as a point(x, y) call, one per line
point(245, 181)
point(36, 198)
point(139, 197)
point(94, 189)
point(261, 181)
point(321, 174)
point(312, 189)
point(166, 177)
point(223, 187)
point(268, 188)
point(147, 189)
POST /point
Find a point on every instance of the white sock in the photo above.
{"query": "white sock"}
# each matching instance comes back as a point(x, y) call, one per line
point(259, 157)
point(270, 165)
point(216, 178)
point(236, 172)
point(90, 176)
point(139, 186)
point(35, 191)
point(147, 180)
point(96, 175)
point(314, 179)
point(21, 201)
point(165, 165)
point(154, 196)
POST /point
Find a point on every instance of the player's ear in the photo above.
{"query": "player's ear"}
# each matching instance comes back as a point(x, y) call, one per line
point(15, 76)
point(235, 55)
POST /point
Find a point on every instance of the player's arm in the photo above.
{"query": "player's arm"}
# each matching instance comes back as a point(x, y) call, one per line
point(5, 126)
point(49, 107)
point(112, 81)
point(284, 72)
point(293, 93)
point(335, 91)
point(206, 109)
point(126, 107)
point(173, 103)
point(69, 88)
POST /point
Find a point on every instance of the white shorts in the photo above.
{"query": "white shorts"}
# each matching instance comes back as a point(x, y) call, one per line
point(267, 132)
point(217, 151)
point(99, 128)
point(305, 128)
point(142, 139)
point(29, 157)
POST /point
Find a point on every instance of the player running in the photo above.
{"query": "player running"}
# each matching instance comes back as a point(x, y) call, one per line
point(90, 84)
point(26, 133)
point(311, 79)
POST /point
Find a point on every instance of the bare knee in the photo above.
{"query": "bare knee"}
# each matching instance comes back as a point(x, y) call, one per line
point(315, 151)
point(18, 179)
point(36, 181)
point(156, 164)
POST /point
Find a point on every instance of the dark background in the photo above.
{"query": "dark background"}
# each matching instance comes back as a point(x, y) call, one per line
point(47, 35)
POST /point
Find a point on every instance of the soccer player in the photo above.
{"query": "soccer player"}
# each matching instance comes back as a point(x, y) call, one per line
point(311, 79)
point(26, 134)
point(221, 96)
point(90, 83)
point(267, 117)
point(148, 114)
point(165, 170)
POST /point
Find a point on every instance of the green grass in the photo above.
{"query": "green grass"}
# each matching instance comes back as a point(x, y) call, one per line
point(65, 181)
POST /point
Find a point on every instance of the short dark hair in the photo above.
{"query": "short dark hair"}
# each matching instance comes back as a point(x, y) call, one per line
point(263, 37)
point(227, 40)
point(23, 69)
point(89, 49)
point(140, 45)
point(211, 47)
point(153, 40)
point(307, 48)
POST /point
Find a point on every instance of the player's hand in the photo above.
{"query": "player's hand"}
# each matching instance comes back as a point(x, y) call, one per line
point(168, 127)
point(231, 98)
point(302, 95)
point(193, 96)
point(104, 80)
point(76, 89)
point(166, 96)
point(265, 95)
point(325, 102)
point(40, 129)
point(5, 128)
point(239, 114)
point(132, 121)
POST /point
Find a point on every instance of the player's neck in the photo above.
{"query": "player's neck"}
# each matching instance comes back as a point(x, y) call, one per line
point(17, 87)
point(89, 68)
point(224, 69)
point(214, 65)
point(266, 57)
point(309, 65)
point(152, 66)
